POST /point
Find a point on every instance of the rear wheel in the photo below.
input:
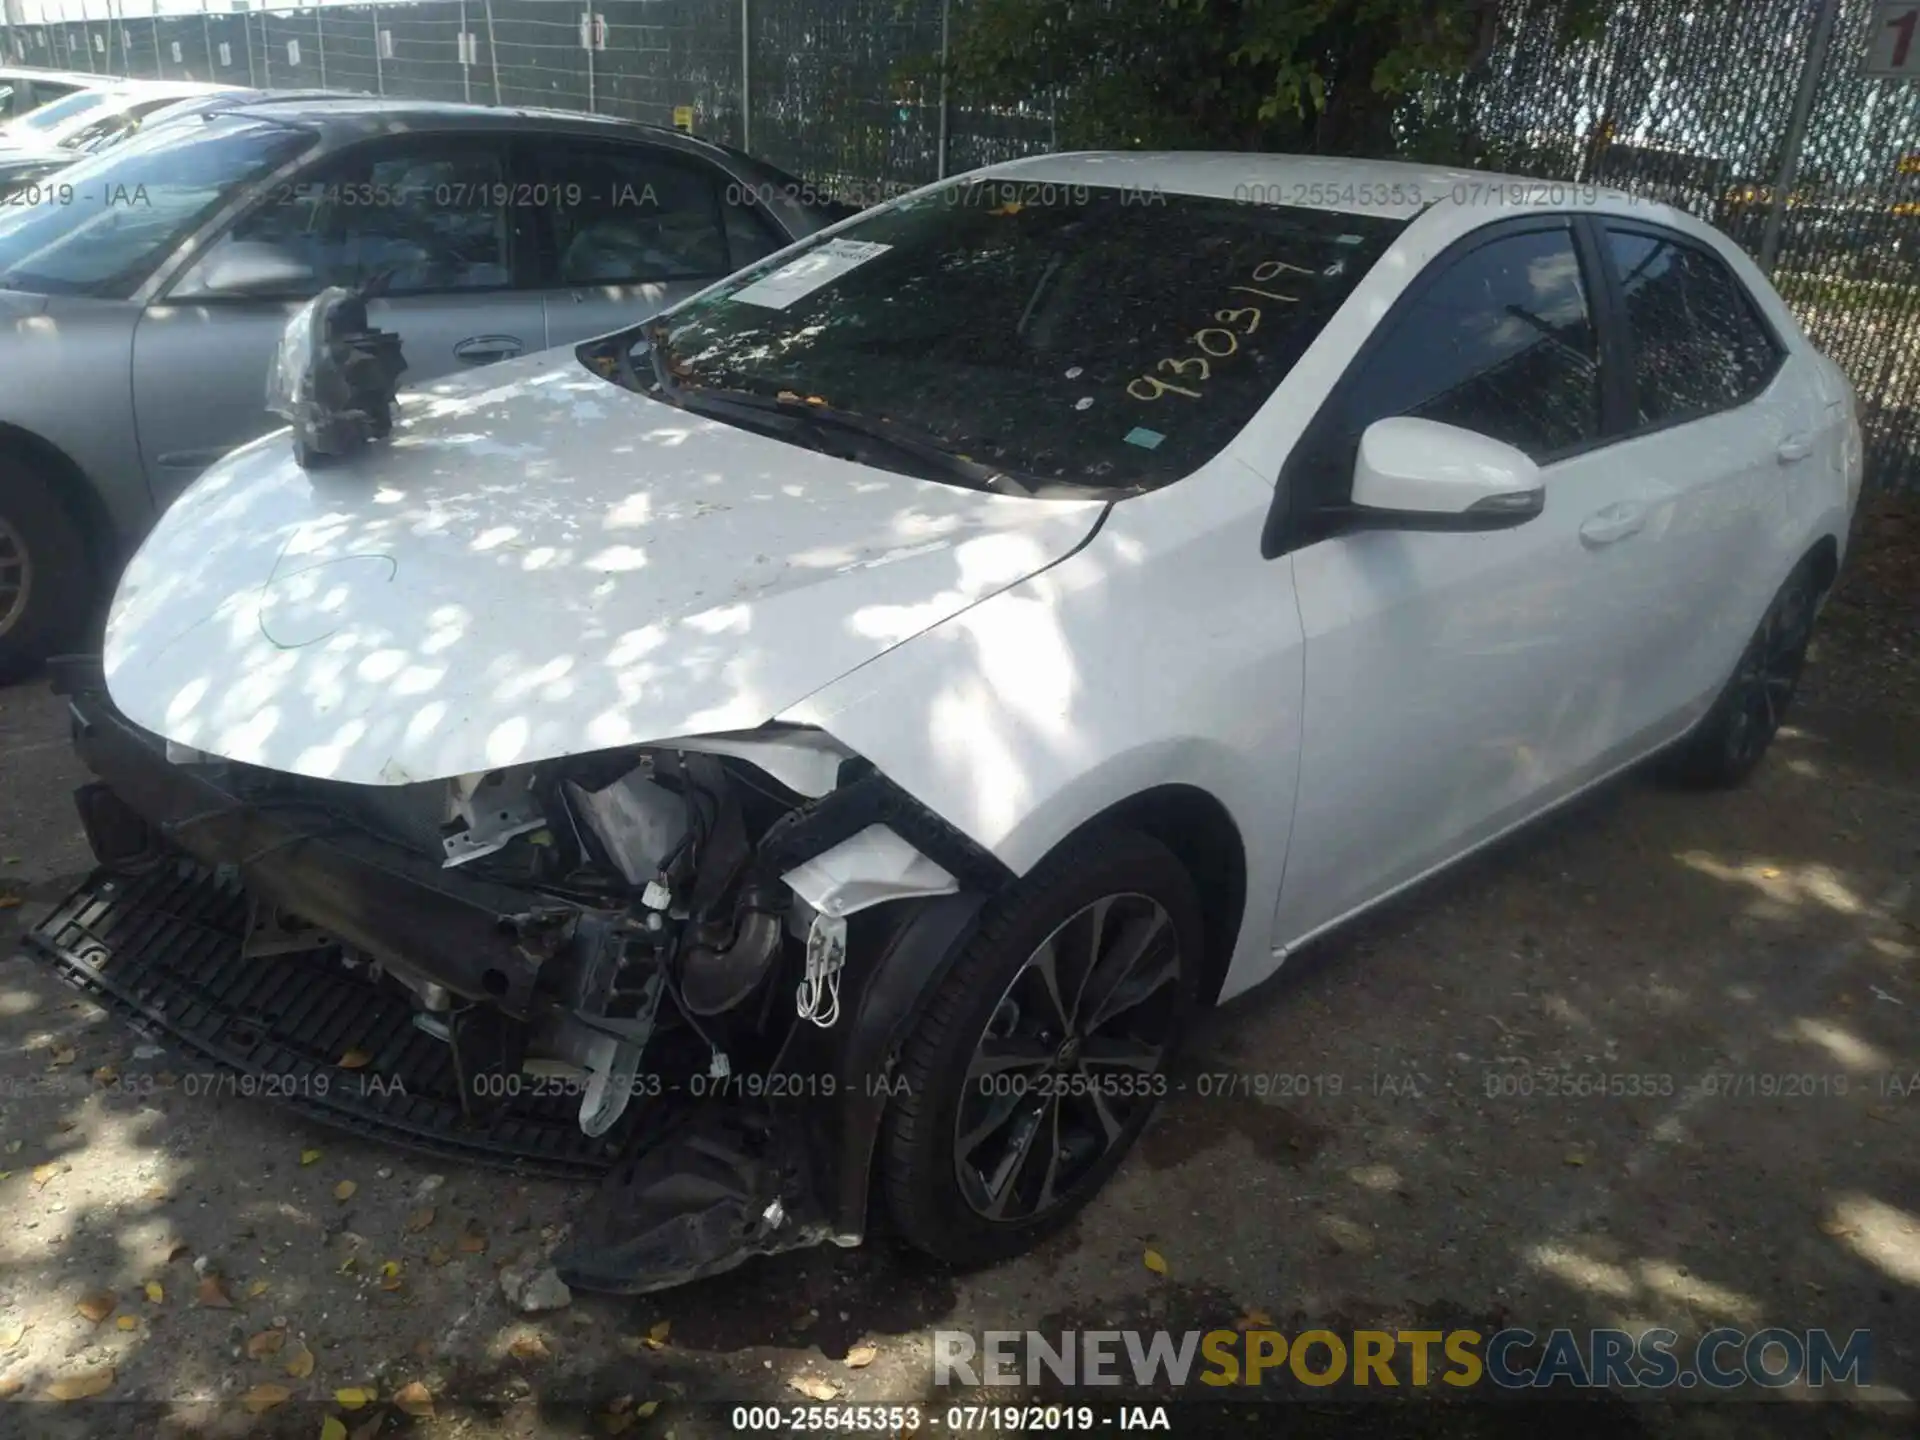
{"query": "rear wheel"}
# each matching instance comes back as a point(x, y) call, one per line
point(46, 577)
point(1038, 1060)
point(1736, 732)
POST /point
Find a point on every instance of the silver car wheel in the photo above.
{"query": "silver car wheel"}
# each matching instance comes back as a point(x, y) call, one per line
point(16, 576)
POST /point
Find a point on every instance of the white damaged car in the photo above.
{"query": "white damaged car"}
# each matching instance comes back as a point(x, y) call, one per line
point(810, 753)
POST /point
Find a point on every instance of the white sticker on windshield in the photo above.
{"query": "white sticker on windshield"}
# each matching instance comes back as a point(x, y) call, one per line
point(798, 279)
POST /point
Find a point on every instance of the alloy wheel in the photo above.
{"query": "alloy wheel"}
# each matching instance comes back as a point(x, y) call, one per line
point(16, 576)
point(1769, 673)
point(1068, 1059)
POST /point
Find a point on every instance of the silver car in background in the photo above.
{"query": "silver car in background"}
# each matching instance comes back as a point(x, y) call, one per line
point(144, 290)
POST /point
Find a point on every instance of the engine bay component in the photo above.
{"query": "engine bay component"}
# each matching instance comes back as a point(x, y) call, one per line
point(678, 947)
point(334, 377)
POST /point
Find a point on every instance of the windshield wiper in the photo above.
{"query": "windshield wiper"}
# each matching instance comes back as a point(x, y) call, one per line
point(724, 403)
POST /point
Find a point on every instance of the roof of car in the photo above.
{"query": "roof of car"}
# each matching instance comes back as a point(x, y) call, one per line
point(344, 116)
point(1393, 189)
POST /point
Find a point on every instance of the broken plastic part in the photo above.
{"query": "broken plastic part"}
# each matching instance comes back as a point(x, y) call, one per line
point(867, 869)
point(638, 822)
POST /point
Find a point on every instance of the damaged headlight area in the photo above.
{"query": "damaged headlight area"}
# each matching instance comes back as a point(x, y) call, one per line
point(705, 949)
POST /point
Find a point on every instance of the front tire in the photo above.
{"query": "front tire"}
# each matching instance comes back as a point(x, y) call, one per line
point(1036, 1064)
point(46, 576)
point(1729, 743)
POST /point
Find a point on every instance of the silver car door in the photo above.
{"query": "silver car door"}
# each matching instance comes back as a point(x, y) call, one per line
point(428, 212)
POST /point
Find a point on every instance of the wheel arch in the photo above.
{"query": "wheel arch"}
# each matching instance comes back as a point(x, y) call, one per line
point(71, 487)
point(1824, 557)
point(1201, 833)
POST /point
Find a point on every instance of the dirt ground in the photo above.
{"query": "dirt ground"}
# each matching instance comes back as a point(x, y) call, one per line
point(1774, 931)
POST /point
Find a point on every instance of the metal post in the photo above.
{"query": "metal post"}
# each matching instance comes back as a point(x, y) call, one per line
point(746, 76)
point(266, 47)
point(589, 36)
point(945, 60)
point(466, 70)
point(206, 35)
point(117, 20)
point(493, 56)
point(246, 43)
point(1796, 141)
point(153, 19)
point(320, 42)
point(379, 69)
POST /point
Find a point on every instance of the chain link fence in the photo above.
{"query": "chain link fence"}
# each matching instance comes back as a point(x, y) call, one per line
point(1760, 116)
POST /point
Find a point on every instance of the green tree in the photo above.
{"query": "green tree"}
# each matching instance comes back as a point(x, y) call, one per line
point(1318, 75)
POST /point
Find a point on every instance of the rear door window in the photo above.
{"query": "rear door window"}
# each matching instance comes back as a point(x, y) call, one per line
point(628, 215)
point(1699, 345)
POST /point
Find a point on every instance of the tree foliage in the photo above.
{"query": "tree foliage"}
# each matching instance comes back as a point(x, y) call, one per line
point(1321, 75)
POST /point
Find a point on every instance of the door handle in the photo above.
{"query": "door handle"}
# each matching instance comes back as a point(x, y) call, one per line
point(485, 349)
point(1614, 522)
point(1794, 448)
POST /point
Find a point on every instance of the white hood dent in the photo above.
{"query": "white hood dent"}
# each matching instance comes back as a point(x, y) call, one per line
point(538, 564)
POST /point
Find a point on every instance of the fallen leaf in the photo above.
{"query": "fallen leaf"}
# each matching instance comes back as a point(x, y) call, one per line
point(529, 1347)
point(213, 1293)
point(390, 1270)
point(156, 1292)
point(307, 1157)
point(1838, 1229)
point(267, 1342)
point(344, 1190)
point(63, 1056)
point(156, 1192)
point(813, 1387)
point(11, 1386)
point(106, 1075)
point(13, 1334)
point(128, 1322)
point(438, 1256)
point(299, 1361)
point(644, 1409)
point(332, 1428)
point(861, 1356)
point(1574, 1157)
point(9, 902)
point(1254, 1318)
point(81, 1384)
point(178, 1250)
point(1155, 1262)
point(657, 1334)
point(473, 1240)
point(353, 1397)
point(420, 1219)
point(393, 1283)
point(354, 1059)
point(414, 1399)
point(97, 1306)
point(264, 1396)
point(43, 1173)
point(350, 1264)
point(257, 1289)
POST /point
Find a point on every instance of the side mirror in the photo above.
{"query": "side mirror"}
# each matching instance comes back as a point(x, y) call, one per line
point(247, 267)
point(1422, 475)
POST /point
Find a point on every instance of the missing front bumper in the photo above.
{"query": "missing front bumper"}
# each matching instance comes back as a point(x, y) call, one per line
point(691, 1184)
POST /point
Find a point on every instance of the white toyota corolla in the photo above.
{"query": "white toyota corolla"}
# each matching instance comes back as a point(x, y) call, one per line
point(811, 752)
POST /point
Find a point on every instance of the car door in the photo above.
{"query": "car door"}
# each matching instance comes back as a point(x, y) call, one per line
point(1711, 443)
point(427, 211)
point(1455, 683)
point(630, 227)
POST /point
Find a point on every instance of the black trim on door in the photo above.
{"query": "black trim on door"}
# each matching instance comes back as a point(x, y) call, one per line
point(1286, 528)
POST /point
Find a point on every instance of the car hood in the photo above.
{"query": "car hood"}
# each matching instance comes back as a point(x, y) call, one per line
point(538, 563)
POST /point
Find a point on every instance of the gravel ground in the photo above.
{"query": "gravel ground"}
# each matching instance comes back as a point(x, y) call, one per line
point(181, 1252)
